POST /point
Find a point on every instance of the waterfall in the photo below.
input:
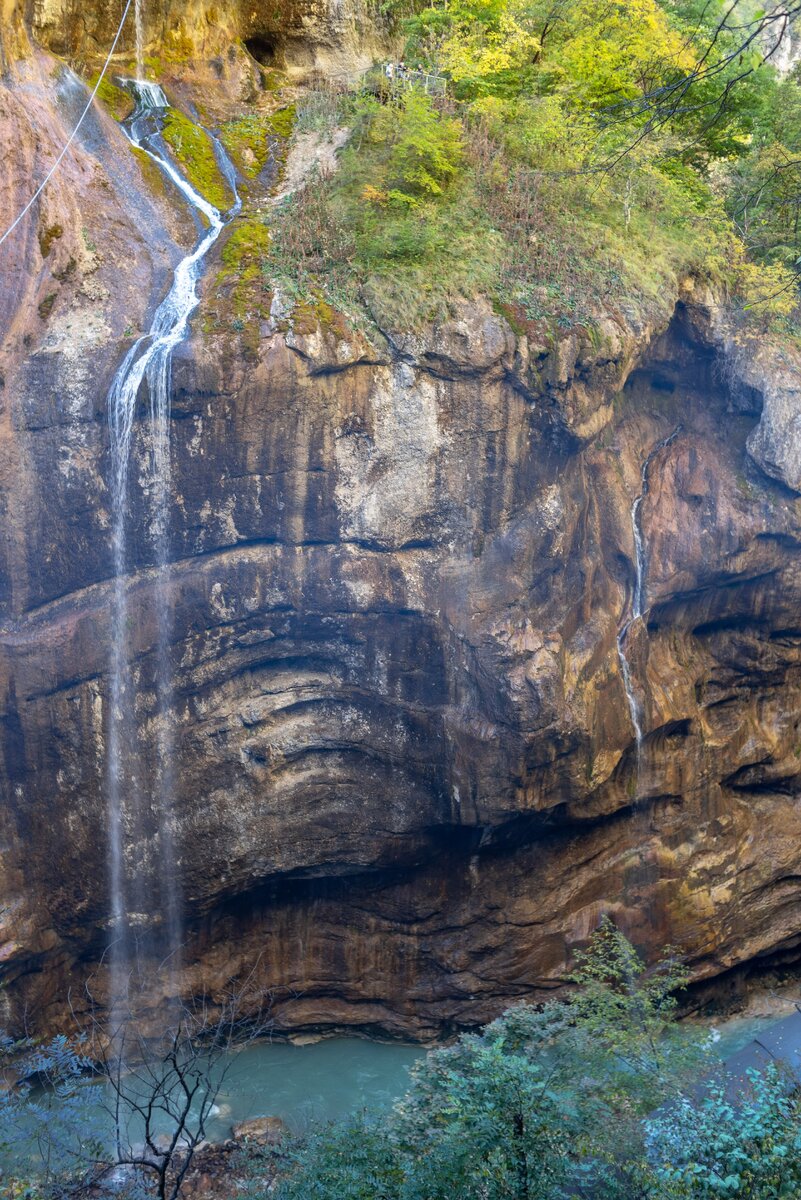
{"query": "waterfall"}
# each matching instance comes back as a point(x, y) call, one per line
point(635, 714)
point(147, 362)
point(638, 604)
point(150, 98)
point(140, 40)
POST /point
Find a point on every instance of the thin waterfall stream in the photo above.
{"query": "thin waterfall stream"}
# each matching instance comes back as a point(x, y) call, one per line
point(140, 40)
point(148, 362)
point(638, 604)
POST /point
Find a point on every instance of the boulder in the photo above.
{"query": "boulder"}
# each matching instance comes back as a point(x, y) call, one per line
point(263, 1131)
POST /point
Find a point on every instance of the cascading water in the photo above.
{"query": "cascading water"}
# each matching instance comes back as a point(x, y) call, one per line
point(140, 40)
point(639, 597)
point(628, 683)
point(147, 362)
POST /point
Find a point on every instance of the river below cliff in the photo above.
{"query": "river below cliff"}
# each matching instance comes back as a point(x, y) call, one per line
point(337, 1076)
point(330, 1079)
point(302, 1084)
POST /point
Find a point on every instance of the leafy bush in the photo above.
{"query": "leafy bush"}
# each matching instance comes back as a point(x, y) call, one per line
point(350, 1161)
point(552, 149)
point(542, 1105)
point(713, 1148)
point(419, 150)
point(483, 1121)
point(47, 1131)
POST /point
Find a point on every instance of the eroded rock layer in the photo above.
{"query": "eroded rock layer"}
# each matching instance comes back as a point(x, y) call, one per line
point(407, 780)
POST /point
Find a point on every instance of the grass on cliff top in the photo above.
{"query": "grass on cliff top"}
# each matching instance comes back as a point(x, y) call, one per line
point(540, 179)
point(424, 209)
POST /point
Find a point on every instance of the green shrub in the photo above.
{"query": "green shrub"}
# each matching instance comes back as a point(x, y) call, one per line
point(544, 1104)
point(418, 151)
point(552, 145)
point(48, 1135)
point(713, 1148)
point(350, 1161)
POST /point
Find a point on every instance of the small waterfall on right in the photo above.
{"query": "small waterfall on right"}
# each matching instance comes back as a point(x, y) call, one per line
point(638, 604)
point(136, 810)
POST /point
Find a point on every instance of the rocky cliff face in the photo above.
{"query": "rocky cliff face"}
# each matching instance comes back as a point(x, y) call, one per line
point(299, 35)
point(407, 778)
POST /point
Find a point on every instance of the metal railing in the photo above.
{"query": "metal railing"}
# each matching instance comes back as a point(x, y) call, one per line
point(401, 77)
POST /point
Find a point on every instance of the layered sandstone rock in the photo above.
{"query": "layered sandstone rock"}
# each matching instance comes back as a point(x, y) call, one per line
point(407, 783)
point(294, 35)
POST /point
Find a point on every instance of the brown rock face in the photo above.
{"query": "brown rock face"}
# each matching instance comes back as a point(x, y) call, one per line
point(296, 34)
point(406, 777)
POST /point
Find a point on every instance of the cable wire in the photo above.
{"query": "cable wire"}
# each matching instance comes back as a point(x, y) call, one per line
point(74, 133)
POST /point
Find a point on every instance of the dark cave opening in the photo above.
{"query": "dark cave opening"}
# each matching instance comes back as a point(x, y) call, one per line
point(263, 49)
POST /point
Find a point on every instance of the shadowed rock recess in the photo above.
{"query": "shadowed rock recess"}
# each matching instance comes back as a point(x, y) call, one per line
point(407, 779)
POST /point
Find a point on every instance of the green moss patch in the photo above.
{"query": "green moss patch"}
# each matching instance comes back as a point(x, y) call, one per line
point(48, 236)
point(282, 122)
point(246, 249)
point(308, 314)
point(46, 307)
point(241, 296)
point(194, 152)
point(118, 102)
point(247, 143)
point(249, 140)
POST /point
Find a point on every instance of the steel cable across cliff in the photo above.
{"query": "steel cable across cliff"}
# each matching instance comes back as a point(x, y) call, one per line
point(74, 133)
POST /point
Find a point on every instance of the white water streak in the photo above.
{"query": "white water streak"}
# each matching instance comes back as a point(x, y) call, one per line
point(628, 683)
point(148, 361)
point(140, 40)
point(639, 599)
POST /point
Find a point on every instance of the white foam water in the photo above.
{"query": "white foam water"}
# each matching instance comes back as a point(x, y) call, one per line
point(147, 364)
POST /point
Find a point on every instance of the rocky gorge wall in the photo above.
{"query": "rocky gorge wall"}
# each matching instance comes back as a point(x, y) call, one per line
point(407, 779)
point(298, 35)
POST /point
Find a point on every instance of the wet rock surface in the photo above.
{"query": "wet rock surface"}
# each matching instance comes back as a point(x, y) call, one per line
point(407, 783)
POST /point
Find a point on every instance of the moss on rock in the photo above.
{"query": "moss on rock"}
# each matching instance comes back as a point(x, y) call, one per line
point(250, 140)
point(118, 102)
point(242, 296)
point(316, 311)
point(48, 236)
point(282, 121)
point(46, 306)
point(153, 176)
point(194, 151)
point(246, 249)
point(247, 143)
